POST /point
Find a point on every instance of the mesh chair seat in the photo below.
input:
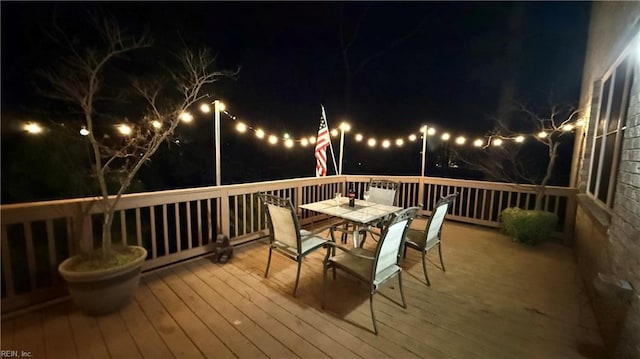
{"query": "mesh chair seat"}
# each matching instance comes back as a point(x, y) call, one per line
point(431, 236)
point(416, 238)
point(373, 267)
point(285, 235)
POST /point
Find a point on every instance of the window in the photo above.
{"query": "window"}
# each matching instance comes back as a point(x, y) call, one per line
point(609, 128)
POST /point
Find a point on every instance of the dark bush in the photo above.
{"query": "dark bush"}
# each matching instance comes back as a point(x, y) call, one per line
point(531, 227)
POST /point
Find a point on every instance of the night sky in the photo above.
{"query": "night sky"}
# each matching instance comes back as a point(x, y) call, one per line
point(442, 63)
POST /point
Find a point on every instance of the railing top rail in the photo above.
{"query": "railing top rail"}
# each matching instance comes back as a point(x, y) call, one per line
point(69, 207)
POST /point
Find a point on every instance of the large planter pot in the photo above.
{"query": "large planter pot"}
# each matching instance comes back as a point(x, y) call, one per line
point(103, 291)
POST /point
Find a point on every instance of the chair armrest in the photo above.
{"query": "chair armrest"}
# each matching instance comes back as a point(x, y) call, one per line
point(359, 255)
point(332, 245)
point(311, 233)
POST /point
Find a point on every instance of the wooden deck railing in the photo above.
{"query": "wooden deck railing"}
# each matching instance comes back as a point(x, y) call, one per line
point(180, 224)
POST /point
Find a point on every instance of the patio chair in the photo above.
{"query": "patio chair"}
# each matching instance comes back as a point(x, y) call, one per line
point(431, 235)
point(285, 235)
point(373, 268)
point(382, 192)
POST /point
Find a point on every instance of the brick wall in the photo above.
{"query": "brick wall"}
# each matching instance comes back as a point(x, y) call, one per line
point(624, 231)
point(608, 239)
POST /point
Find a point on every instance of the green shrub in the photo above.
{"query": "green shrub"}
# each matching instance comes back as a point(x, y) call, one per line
point(528, 226)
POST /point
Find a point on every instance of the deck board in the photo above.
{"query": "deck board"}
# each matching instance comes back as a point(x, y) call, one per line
point(209, 345)
point(86, 335)
point(497, 298)
point(216, 323)
point(28, 335)
point(57, 332)
point(170, 331)
point(118, 339)
point(6, 333)
point(320, 339)
point(309, 314)
point(147, 339)
point(243, 323)
point(287, 336)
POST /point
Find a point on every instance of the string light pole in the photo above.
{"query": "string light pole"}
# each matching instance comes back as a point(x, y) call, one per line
point(424, 148)
point(218, 107)
point(344, 127)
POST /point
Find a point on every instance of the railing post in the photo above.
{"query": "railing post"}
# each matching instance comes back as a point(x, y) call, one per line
point(224, 219)
point(421, 182)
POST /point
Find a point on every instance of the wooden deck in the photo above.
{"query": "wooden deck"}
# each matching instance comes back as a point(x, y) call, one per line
point(498, 299)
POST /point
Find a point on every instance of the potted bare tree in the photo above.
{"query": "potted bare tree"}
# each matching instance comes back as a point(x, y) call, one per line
point(102, 280)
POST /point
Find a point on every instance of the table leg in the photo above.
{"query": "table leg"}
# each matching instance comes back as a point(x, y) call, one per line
point(356, 234)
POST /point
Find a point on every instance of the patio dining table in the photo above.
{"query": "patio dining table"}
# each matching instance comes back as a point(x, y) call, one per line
point(362, 214)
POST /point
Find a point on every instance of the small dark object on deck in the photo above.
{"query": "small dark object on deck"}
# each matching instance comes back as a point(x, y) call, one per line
point(224, 249)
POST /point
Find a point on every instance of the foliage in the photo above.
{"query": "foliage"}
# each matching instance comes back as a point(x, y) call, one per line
point(95, 260)
point(530, 227)
point(106, 92)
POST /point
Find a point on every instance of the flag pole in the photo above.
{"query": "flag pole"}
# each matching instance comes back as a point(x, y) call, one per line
point(333, 156)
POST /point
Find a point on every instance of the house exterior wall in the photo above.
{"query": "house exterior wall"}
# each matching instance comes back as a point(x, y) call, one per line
point(607, 240)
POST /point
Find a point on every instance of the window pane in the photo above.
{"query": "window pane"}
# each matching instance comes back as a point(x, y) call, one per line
point(625, 107)
point(594, 168)
point(616, 101)
point(603, 107)
point(607, 163)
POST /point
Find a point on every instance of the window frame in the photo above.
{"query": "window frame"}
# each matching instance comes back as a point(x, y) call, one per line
point(630, 55)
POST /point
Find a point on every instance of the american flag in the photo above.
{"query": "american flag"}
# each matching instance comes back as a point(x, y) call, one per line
point(321, 147)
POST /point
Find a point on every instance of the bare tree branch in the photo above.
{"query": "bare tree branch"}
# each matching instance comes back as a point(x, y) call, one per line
point(79, 79)
point(502, 160)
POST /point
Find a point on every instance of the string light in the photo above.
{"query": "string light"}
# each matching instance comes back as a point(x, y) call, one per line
point(289, 141)
point(125, 130)
point(33, 128)
point(186, 117)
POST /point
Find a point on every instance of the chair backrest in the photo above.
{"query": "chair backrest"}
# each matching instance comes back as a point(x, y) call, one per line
point(283, 222)
point(434, 225)
point(383, 192)
point(388, 250)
